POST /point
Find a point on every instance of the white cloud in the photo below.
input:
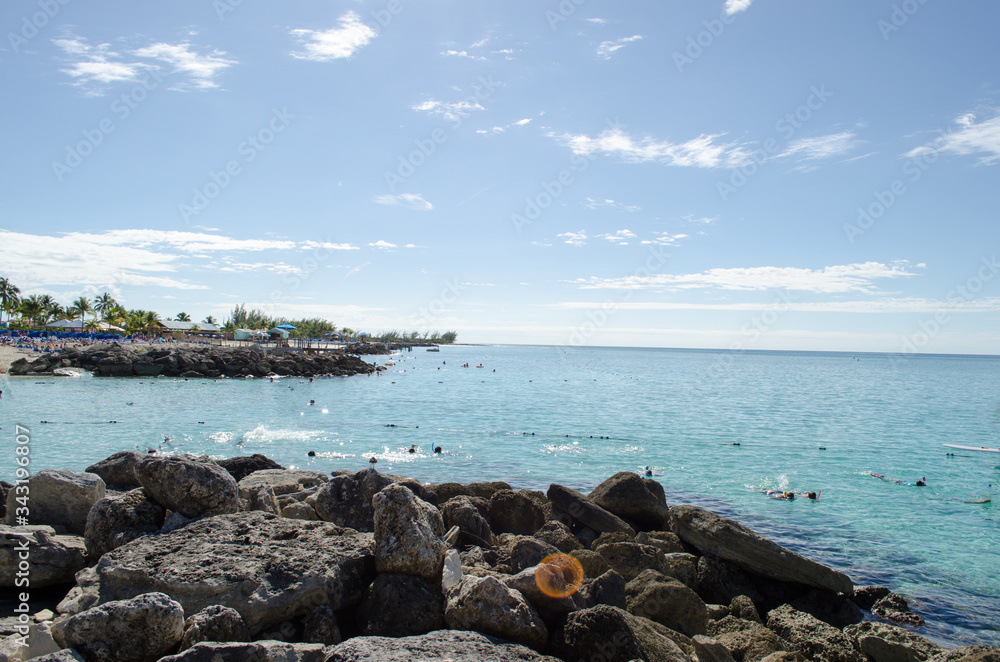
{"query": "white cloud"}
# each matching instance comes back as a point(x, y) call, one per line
point(93, 67)
point(524, 122)
point(463, 54)
point(328, 245)
point(970, 138)
point(700, 152)
point(574, 238)
point(702, 220)
point(859, 277)
point(619, 238)
point(339, 42)
point(411, 200)
point(821, 147)
point(202, 69)
point(599, 21)
point(664, 239)
point(383, 245)
point(608, 48)
point(594, 203)
point(452, 111)
point(736, 6)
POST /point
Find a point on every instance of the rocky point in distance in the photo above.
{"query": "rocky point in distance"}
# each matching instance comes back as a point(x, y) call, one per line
point(184, 558)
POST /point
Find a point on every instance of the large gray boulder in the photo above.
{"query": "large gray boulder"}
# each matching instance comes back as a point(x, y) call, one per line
point(640, 501)
point(267, 568)
point(630, 559)
point(734, 542)
point(749, 641)
point(514, 512)
point(52, 559)
point(399, 605)
point(58, 497)
point(118, 469)
point(191, 486)
point(115, 521)
point(282, 481)
point(251, 651)
point(617, 636)
point(882, 642)
point(215, 623)
point(812, 637)
point(241, 467)
point(550, 609)
point(141, 629)
point(456, 646)
point(668, 602)
point(485, 605)
point(408, 534)
point(466, 514)
point(968, 654)
point(584, 511)
point(347, 500)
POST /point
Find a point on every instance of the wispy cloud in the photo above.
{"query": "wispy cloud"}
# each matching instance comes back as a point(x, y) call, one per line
point(873, 305)
point(736, 6)
point(594, 203)
point(95, 67)
point(609, 48)
point(859, 277)
point(619, 238)
point(598, 21)
point(969, 138)
point(409, 200)
point(350, 35)
point(383, 245)
point(200, 69)
point(463, 54)
point(451, 111)
point(701, 152)
point(819, 148)
point(574, 238)
point(664, 239)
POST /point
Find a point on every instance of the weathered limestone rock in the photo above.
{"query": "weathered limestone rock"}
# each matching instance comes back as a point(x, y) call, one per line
point(831, 608)
point(398, 605)
point(447, 491)
point(485, 605)
point(241, 467)
point(710, 650)
point(118, 470)
point(347, 500)
point(513, 512)
point(881, 642)
point(192, 486)
point(260, 498)
point(640, 501)
point(214, 623)
point(456, 646)
point(463, 512)
point(267, 568)
point(559, 536)
point(667, 542)
point(720, 581)
point(683, 568)
point(408, 534)
point(748, 641)
point(115, 521)
point(297, 510)
point(321, 627)
point(744, 608)
point(969, 654)
point(281, 481)
point(617, 636)
point(734, 542)
point(58, 498)
point(253, 651)
point(594, 565)
point(52, 559)
point(527, 552)
point(665, 600)
point(812, 637)
point(586, 512)
point(39, 642)
point(550, 609)
point(630, 559)
point(895, 608)
point(141, 629)
point(64, 655)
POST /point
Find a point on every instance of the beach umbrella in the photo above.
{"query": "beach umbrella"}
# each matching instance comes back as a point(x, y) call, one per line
point(287, 327)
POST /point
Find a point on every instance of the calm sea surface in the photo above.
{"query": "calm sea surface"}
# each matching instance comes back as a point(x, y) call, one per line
point(535, 415)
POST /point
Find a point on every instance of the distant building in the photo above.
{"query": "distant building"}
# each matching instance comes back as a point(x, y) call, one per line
point(170, 328)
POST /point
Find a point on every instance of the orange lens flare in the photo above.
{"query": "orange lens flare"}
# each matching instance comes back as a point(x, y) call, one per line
point(559, 576)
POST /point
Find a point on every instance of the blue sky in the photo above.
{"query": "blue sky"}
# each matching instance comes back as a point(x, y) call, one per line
point(737, 173)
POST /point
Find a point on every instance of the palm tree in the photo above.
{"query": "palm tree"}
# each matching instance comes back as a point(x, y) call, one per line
point(210, 320)
point(10, 296)
point(50, 309)
point(150, 319)
point(104, 304)
point(183, 317)
point(82, 306)
point(32, 308)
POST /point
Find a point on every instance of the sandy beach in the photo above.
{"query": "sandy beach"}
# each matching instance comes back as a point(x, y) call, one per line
point(10, 354)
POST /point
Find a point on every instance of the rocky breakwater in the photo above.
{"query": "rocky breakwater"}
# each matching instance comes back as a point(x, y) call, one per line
point(117, 360)
point(183, 563)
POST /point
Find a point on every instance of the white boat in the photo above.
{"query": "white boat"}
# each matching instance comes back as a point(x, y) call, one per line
point(982, 449)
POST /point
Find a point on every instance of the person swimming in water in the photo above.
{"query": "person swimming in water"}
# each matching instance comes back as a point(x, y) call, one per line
point(778, 494)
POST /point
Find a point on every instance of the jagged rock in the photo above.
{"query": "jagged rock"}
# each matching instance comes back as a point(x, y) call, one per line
point(527, 552)
point(831, 608)
point(734, 542)
point(583, 511)
point(710, 650)
point(617, 636)
point(398, 605)
point(785, 656)
point(408, 534)
point(640, 501)
point(297, 510)
point(895, 608)
point(115, 365)
point(118, 520)
point(550, 609)
point(812, 637)
point(743, 607)
point(37, 643)
point(282, 481)
point(320, 627)
point(455, 646)
point(594, 565)
point(214, 623)
point(665, 600)
point(192, 486)
point(58, 497)
point(485, 605)
point(717, 612)
point(683, 568)
point(260, 498)
point(463, 512)
point(241, 467)
point(513, 512)
point(265, 567)
point(118, 470)
point(866, 596)
point(720, 581)
point(559, 536)
point(748, 641)
point(253, 651)
point(64, 655)
point(968, 654)
point(887, 643)
point(52, 559)
point(667, 542)
point(347, 500)
point(448, 491)
point(610, 537)
point(630, 559)
point(141, 629)
point(608, 589)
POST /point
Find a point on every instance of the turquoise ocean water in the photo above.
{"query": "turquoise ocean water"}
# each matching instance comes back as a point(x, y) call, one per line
point(577, 415)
